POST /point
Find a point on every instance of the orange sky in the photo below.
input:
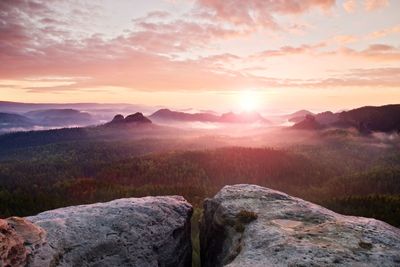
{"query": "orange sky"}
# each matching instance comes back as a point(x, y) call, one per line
point(316, 54)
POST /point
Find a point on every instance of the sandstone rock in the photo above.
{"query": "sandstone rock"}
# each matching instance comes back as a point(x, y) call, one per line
point(137, 118)
point(149, 231)
point(248, 225)
point(18, 237)
point(118, 119)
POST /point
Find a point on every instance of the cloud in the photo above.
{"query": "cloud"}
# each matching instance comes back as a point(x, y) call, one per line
point(350, 6)
point(290, 50)
point(371, 5)
point(374, 77)
point(376, 52)
point(258, 12)
point(384, 32)
point(176, 36)
point(164, 52)
point(345, 39)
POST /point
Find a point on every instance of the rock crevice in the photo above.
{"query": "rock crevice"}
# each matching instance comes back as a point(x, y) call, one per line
point(149, 231)
point(248, 225)
point(243, 225)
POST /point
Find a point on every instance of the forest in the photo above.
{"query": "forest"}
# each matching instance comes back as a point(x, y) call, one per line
point(354, 176)
point(345, 175)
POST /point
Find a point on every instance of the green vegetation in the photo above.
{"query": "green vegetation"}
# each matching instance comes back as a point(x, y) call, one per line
point(347, 175)
point(381, 207)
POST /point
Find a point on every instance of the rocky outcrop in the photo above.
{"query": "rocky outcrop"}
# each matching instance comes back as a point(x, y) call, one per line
point(309, 123)
point(137, 118)
point(118, 119)
point(248, 225)
point(149, 231)
point(18, 238)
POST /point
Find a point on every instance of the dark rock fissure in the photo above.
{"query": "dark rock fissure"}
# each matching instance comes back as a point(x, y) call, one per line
point(279, 230)
point(243, 225)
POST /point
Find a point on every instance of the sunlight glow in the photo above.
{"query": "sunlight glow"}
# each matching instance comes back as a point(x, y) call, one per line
point(248, 101)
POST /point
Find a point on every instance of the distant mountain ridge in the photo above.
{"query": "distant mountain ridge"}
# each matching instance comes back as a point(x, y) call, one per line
point(167, 114)
point(298, 114)
point(8, 120)
point(137, 118)
point(49, 118)
point(230, 117)
point(365, 119)
point(60, 117)
point(19, 107)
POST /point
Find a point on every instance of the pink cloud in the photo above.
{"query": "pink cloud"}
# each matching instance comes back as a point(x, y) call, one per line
point(385, 32)
point(290, 50)
point(371, 5)
point(259, 12)
point(350, 6)
point(178, 35)
point(35, 43)
point(375, 52)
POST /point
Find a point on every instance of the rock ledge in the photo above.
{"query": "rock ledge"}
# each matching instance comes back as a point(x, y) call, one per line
point(248, 225)
point(149, 231)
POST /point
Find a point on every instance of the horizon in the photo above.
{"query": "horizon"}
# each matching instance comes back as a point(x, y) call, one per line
point(110, 107)
point(149, 110)
point(201, 54)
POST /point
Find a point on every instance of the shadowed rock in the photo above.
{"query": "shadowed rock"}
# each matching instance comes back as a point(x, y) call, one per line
point(133, 119)
point(248, 225)
point(137, 117)
point(118, 119)
point(149, 231)
point(309, 123)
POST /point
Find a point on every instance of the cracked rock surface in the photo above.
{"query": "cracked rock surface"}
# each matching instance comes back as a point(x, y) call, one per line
point(249, 225)
point(149, 231)
point(18, 237)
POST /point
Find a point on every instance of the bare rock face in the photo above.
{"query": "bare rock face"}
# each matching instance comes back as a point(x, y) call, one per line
point(18, 238)
point(149, 231)
point(249, 225)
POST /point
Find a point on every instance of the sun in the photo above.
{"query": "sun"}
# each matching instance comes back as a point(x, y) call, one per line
point(248, 101)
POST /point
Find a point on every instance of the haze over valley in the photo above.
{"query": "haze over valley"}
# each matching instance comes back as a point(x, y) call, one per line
point(199, 133)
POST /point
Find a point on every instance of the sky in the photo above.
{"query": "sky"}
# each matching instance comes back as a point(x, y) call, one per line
point(204, 54)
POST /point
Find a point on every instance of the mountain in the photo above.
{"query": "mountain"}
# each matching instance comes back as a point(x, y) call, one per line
point(11, 120)
point(324, 118)
point(372, 119)
point(132, 119)
point(365, 119)
point(309, 123)
point(230, 117)
point(132, 127)
point(100, 112)
point(17, 107)
point(166, 114)
point(298, 114)
point(60, 117)
point(327, 117)
point(244, 117)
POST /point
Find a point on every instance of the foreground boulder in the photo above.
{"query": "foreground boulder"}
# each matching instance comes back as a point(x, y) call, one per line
point(18, 237)
point(149, 231)
point(248, 225)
